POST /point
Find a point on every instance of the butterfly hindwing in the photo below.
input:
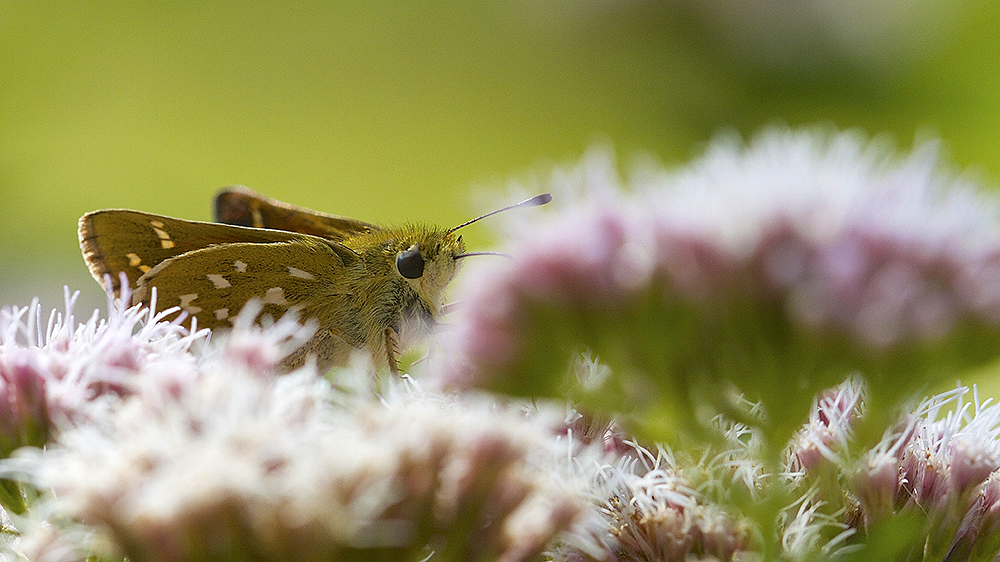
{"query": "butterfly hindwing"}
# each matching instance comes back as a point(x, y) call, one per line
point(303, 275)
point(239, 205)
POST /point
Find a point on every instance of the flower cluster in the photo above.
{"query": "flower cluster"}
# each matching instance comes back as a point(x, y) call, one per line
point(66, 374)
point(940, 470)
point(933, 481)
point(70, 367)
point(671, 507)
point(213, 455)
point(936, 469)
point(655, 514)
point(773, 270)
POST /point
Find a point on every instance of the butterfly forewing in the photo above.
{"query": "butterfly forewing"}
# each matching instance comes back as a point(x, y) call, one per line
point(116, 241)
point(242, 206)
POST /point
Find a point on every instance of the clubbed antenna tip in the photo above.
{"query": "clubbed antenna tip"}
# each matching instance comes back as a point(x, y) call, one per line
point(532, 202)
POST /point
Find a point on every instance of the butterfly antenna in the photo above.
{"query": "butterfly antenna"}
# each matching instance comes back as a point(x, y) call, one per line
point(532, 202)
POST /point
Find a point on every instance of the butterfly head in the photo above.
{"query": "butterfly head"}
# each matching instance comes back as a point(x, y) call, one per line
point(428, 261)
point(424, 258)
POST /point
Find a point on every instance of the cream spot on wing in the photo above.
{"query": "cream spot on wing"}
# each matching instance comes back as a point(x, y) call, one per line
point(186, 303)
point(296, 272)
point(165, 240)
point(144, 268)
point(219, 281)
point(240, 266)
point(222, 314)
point(133, 259)
point(274, 295)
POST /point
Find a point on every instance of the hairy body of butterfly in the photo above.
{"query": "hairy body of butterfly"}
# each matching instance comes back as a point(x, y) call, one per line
point(367, 287)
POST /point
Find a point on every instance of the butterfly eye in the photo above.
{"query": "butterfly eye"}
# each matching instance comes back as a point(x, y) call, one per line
point(409, 263)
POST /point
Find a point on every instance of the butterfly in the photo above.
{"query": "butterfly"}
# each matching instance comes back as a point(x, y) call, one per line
point(366, 287)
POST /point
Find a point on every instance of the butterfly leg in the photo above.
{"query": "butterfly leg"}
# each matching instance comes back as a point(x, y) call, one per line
point(390, 351)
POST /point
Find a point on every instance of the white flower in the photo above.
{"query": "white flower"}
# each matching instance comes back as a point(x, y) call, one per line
point(217, 456)
point(61, 372)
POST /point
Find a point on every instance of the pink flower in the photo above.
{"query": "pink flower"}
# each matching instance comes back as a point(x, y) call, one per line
point(774, 270)
point(212, 459)
point(827, 434)
point(938, 470)
point(65, 373)
point(659, 515)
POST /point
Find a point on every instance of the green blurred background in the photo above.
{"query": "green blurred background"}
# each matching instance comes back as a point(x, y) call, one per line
point(394, 110)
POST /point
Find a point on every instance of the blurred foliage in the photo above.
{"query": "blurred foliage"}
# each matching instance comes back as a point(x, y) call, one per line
point(390, 111)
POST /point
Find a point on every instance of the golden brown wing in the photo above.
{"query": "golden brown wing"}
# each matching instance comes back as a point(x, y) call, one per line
point(119, 240)
point(242, 206)
point(305, 274)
